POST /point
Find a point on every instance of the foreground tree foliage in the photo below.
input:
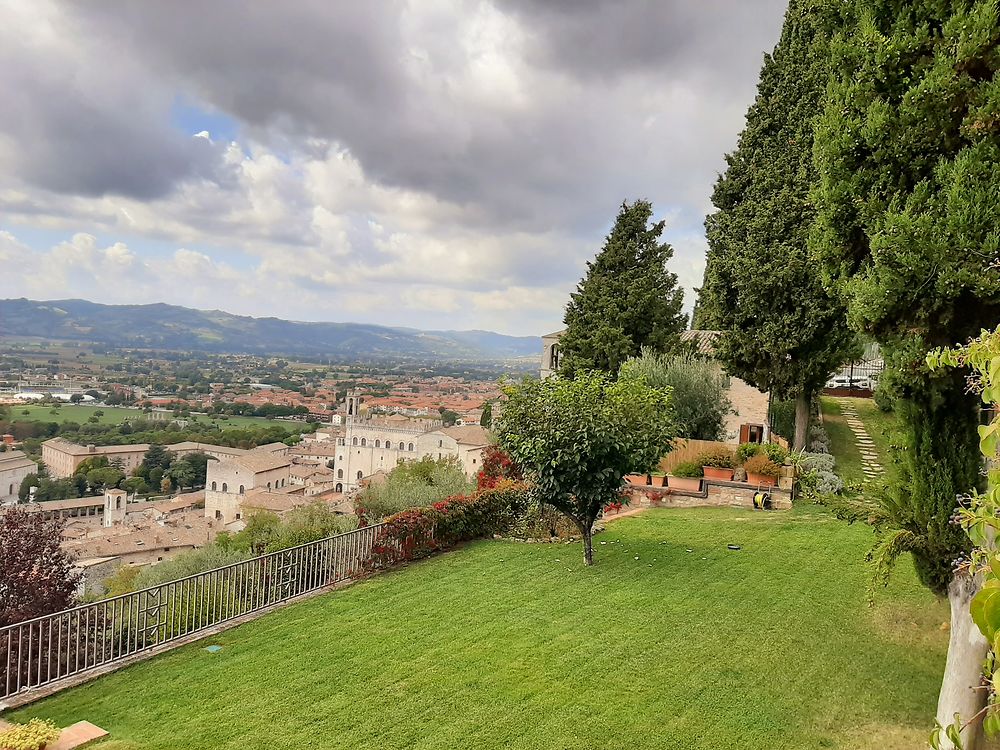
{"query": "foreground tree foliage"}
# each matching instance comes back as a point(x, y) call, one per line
point(980, 518)
point(697, 388)
point(908, 152)
point(576, 439)
point(627, 300)
point(782, 331)
point(36, 575)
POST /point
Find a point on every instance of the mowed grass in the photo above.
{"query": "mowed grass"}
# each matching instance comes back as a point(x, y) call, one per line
point(116, 415)
point(843, 446)
point(670, 641)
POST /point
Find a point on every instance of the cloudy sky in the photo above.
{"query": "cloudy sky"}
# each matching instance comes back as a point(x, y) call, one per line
point(432, 163)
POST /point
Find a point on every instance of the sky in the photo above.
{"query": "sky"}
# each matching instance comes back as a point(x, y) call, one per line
point(435, 164)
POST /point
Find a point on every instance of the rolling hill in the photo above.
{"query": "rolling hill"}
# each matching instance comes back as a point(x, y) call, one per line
point(162, 326)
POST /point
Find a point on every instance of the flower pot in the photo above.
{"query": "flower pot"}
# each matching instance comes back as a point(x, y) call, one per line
point(762, 479)
point(687, 484)
point(714, 472)
point(640, 479)
point(660, 481)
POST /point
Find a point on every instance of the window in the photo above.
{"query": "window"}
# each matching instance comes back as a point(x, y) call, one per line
point(440, 443)
point(268, 486)
point(378, 444)
point(360, 475)
point(11, 490)
point(340, 473)
point(364, 442)
point(410, 447)
point(225, 487)
point(354, 441)
point(213, 486)
point(239, 516)
point(402, 447)
point(339, 487)
point(218, 514)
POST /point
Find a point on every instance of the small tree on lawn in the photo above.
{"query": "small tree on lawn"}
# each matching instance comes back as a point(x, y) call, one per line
point(576, 439)
point(36, 575)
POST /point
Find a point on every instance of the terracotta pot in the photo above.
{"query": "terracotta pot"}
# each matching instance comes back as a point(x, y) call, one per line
point(660, 481)
point(714, 472)
point(640, 479)
point(688, 484)
point(762, 479)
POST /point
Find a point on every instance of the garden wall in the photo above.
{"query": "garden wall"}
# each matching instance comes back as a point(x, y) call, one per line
point(713, 493)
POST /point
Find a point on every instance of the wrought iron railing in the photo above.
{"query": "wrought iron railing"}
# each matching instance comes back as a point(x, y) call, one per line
point(46, 649)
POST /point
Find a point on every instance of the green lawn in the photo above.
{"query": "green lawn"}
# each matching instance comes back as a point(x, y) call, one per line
point(506, 645)
point(117, 415)
point(883, 428)
point(843, 446)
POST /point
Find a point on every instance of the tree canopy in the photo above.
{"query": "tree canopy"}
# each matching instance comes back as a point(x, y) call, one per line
point(627, 300)
point(908, 153)
point(575, 439)
point(782, 331)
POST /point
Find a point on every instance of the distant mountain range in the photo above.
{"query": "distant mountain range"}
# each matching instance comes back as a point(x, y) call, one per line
point(160, 326)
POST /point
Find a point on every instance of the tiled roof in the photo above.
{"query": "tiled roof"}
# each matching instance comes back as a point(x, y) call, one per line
point(470, 434)
point(10, 460)
point(257, 462)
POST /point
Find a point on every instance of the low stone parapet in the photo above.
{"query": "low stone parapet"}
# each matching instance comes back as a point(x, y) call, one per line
point(714, 492)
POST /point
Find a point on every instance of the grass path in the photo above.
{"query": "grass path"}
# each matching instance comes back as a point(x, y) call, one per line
point(671, 641)
point(843, 445)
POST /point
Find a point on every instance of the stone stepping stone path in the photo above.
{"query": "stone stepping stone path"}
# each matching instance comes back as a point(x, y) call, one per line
point(870, 463)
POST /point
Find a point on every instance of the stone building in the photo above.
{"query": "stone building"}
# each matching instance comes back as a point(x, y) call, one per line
point(229, 481)
point(14, 467)
point(551, 355)
point(373, 443)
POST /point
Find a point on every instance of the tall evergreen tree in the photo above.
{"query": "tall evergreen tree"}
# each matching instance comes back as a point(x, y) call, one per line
point(782, 331)
point(627, 300)
point(908, 149)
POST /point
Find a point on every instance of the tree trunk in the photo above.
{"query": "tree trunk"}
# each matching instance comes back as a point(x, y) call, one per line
point(963, 668)
point(587, 532)
point(803, 407)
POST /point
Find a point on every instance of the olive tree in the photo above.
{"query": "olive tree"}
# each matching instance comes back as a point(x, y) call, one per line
point(577, 438)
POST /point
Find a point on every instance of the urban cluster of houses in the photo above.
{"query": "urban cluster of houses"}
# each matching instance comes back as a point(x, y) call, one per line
point(329, 466)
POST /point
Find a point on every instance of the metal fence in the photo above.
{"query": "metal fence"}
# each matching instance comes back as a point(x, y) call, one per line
point(53, 647)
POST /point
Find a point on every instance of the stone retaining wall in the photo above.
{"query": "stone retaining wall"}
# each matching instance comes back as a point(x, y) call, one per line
point(714, 492)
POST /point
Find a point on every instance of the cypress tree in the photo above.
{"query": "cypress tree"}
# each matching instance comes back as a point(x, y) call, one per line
point(627, 300)
point(908, 151)
point(782, 331)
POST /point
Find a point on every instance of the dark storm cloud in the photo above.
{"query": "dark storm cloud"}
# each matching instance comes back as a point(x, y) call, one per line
point(348, 73)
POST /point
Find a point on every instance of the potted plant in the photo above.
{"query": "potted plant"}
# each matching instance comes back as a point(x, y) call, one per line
point(686, 476)
point(640, 479)
point(717, 463)
point(762, 470)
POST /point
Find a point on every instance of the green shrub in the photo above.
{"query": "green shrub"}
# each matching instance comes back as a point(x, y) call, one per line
point(413, 484)
point(747, 450)
point(775, 452)
point(719, 458)
point(761, 464)
point(782, 416)
point(699, 405)
point(688, 469)
point(31, 736)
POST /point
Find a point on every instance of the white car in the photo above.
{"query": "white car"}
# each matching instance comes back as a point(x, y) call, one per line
point(845, 381)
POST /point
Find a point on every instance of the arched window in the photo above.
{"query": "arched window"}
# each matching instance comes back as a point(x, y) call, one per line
point(225, 487)
point(339, 487)
point(364, 442)
point(11, 490)
point(354, 441)
point(282, 482)
point(409, 447)
point(213, 486)
point(340, 473)
point(242, 489)
point(402, 447)
point(360, 475)
point(268, 486)
point(440, 443)
point(378, 444)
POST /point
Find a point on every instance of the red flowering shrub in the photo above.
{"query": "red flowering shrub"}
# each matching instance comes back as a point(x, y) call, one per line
point(497, 467)
point(419, 532)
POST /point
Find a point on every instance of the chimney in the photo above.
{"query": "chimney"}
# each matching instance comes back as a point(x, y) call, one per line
point(91, 448)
